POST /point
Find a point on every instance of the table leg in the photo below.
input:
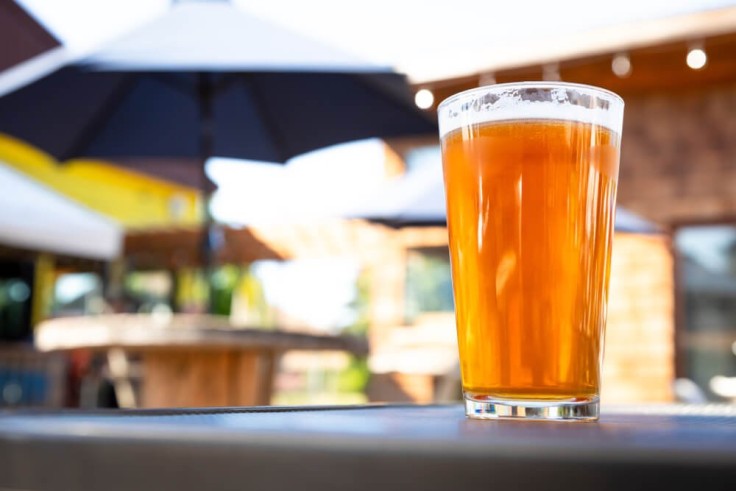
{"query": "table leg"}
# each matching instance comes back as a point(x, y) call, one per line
point(252, 378)
point(201, 378)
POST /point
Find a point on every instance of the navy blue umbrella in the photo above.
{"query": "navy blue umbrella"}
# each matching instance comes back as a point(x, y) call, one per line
point(208, 80)
point(270, 116)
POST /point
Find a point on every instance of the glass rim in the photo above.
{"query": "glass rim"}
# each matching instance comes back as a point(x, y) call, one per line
point(588, 89)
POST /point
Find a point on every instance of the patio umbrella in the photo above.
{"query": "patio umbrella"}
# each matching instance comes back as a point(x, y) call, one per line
point(37, 218)
point(208, 80)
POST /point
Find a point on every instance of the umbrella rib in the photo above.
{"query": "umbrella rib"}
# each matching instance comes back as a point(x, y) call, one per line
point(174, 82)
point(226, 81)
point(95, 124)
point(276, 136)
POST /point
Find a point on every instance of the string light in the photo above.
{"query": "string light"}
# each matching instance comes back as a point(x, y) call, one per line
point(424, 98)
point(696, 56)
point(621, 65)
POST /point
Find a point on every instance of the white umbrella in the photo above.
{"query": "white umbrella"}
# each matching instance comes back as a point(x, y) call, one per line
point(38, 218)
point(214, 35)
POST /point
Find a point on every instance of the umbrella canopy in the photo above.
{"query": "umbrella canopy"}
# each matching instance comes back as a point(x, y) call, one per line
point(207, 79)
point(268, 116)
point(35, 217)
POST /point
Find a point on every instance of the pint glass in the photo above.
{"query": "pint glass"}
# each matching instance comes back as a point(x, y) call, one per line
point(530, 176)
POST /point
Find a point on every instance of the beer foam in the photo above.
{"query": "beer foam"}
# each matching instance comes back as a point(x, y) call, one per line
point(531, 101)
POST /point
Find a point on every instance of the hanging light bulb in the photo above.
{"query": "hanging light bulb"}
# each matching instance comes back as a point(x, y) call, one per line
point(696, 56)
point(621, 65)
point(424, 98)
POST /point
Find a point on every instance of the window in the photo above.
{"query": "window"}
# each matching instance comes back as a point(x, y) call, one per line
point(428, 281)
point(707, 295)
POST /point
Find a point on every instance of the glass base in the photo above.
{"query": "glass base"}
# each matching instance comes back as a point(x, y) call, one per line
point(489, 408)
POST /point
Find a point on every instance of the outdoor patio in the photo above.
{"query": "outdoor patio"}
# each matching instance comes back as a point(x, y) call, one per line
point(225, 258)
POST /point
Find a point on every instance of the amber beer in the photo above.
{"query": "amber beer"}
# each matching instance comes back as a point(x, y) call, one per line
point(530, 205)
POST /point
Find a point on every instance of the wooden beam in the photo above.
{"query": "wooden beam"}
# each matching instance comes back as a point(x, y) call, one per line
point(596, 42)
point(654, 68)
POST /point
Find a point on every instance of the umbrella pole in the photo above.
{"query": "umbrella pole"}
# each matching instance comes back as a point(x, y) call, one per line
point(209, 244)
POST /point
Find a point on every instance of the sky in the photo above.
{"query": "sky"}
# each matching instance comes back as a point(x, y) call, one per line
point(321, 184)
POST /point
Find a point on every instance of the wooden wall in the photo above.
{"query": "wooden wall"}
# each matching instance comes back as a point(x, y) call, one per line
point(639, 363)
point(678, 161)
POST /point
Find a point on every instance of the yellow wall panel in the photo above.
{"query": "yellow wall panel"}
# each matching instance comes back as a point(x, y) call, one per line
point(134, 199)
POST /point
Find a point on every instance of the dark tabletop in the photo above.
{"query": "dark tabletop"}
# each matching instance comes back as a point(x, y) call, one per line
point(368, 447)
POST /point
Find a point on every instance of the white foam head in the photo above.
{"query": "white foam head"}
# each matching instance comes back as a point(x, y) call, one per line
point(531, 100)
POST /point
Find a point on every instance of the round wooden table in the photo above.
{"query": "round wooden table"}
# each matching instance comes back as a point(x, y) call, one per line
point(187, 360)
